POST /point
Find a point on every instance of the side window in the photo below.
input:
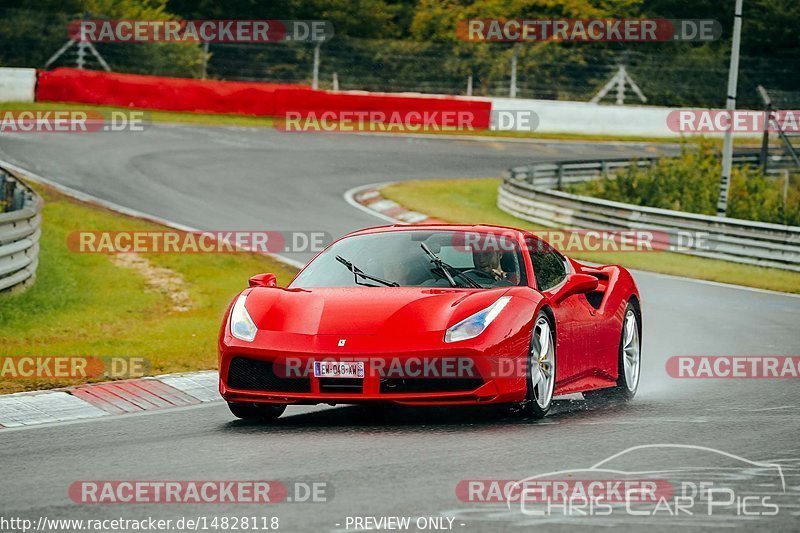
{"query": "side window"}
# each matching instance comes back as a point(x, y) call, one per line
point(548, 266)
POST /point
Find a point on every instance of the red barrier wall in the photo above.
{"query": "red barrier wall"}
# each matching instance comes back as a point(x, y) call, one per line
point(228, 97)
point(307, 101)
point(153, 92)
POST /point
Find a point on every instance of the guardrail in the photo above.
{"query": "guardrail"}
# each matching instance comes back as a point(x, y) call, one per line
point(554, 175)
point(20, 230)
point(527, 193)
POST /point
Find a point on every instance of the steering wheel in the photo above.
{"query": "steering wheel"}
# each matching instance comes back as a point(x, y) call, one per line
point(479, 274)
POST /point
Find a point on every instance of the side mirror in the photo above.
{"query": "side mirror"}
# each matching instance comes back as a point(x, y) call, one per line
point(263, 280)
point(578, 284)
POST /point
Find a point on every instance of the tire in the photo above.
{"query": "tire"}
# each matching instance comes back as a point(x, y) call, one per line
point(629, 361)
point(541, 369)
point(254, 411)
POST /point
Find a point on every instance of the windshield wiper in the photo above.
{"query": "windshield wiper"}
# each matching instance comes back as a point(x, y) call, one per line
point(447, 269)
point(358, 272)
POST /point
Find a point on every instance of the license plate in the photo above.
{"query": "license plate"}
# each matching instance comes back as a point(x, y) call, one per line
point(339, 369)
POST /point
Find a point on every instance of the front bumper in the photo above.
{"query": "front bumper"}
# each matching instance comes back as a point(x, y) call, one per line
point(459, 377)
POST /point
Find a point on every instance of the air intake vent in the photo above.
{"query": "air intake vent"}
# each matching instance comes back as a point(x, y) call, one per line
point(349, 385)
point(250, 374)
point(408, 385)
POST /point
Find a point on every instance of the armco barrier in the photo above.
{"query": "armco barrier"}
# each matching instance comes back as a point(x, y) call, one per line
point(556, 174)
point(741, 241)
point(20, 229)
point(230, 97)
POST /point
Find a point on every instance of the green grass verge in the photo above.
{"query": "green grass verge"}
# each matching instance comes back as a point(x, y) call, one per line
point(267, 122)
point(85, 305)
point(474, 201)
point(155, 116)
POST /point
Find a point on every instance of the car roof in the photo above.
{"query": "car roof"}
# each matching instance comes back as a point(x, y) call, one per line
point(480, 228)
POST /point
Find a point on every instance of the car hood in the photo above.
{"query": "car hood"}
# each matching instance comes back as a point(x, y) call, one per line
point(365, 310)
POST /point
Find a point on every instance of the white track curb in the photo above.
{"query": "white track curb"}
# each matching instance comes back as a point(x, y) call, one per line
point(92, 401)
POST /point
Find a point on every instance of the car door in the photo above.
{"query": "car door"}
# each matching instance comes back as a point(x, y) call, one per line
point(575, 316)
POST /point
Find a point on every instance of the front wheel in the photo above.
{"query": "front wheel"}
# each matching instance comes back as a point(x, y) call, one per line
point(255, 411)
point(629, 361)
point(541, 370)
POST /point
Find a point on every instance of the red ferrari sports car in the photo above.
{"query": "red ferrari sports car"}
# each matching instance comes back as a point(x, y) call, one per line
point(432, 315)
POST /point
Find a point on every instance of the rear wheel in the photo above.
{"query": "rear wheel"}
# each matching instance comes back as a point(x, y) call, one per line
point(629, 361)
point(255, 411)
point(541, 369)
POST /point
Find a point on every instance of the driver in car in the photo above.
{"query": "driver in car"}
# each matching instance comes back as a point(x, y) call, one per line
point(488, 262)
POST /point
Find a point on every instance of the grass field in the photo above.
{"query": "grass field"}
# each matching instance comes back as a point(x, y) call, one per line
point(475, 201)
point(98, 305)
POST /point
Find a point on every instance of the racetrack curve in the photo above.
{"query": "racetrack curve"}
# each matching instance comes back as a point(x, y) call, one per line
point(410, 461)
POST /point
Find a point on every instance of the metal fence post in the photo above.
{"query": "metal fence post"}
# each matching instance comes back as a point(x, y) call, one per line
point(205, 60)
point(560, 176)
point(80, 62)
point(532, 175)
point(785, 185)
point(765, 139)
point(730, 106)
point(18, 200)
point(512, 91)
point(315, 74)
point(763, 156)
point(8, 194)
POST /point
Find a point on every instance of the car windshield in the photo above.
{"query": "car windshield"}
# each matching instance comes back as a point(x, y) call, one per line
point(417, 259)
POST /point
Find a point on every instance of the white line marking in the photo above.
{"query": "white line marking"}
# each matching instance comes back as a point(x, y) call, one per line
point(49, 407)
point(201, 385)
point(444, 136)
point(42, 407)
point(503, 139)
point(110, 417)
point(349, 197)
point(716, 283)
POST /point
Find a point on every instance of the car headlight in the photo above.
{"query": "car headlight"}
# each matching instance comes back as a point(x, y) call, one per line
point(473, 325)
point(242, 326)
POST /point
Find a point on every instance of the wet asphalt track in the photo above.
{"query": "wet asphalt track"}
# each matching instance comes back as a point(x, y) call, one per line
point(409, 461)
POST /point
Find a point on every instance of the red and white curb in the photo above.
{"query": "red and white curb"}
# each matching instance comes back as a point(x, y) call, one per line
point(95, 400)
point(368, 198)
